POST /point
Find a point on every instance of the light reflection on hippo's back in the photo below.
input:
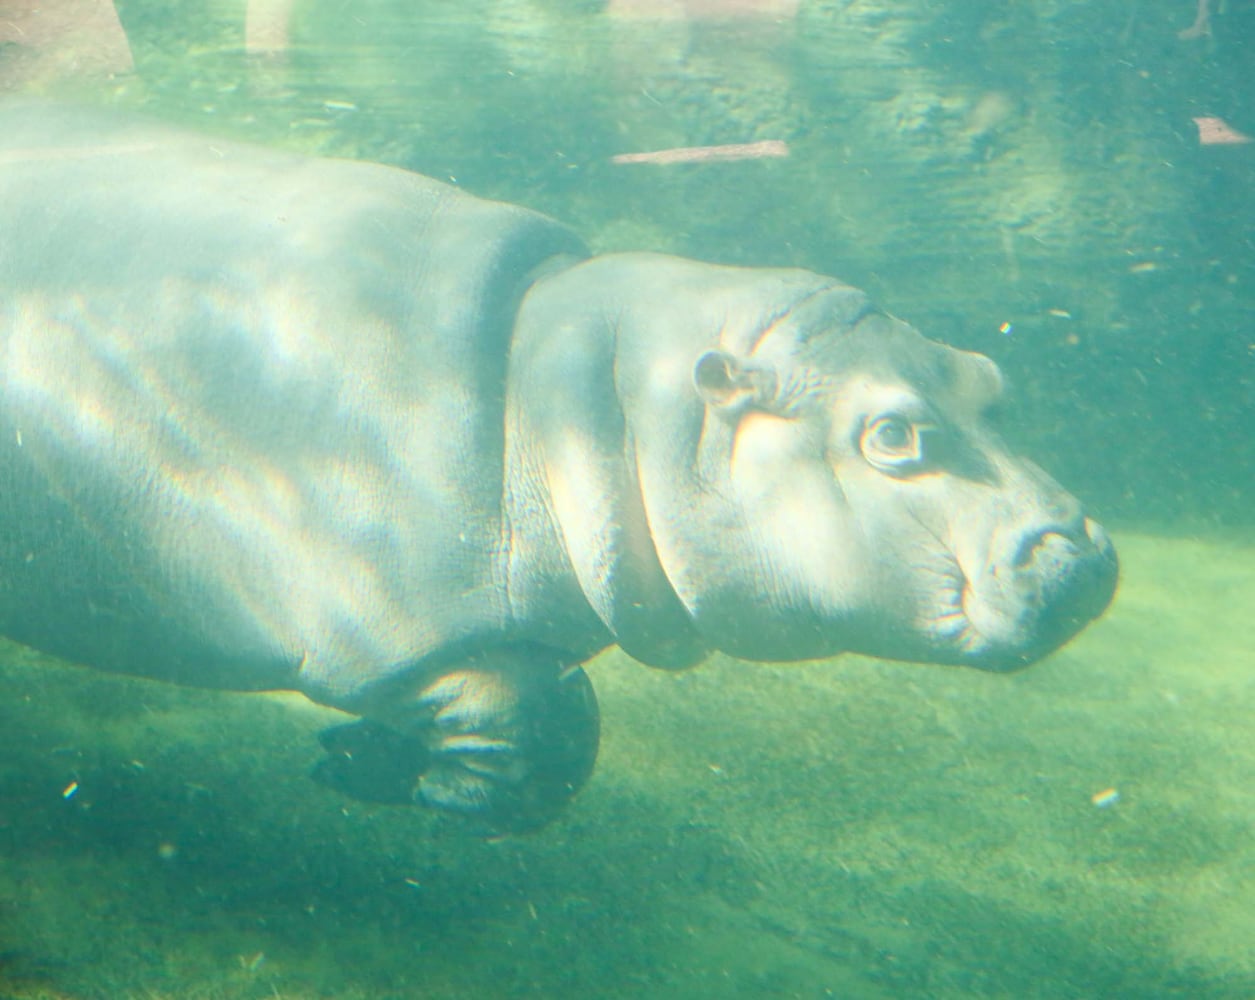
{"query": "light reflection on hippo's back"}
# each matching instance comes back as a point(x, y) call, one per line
point(467, 456)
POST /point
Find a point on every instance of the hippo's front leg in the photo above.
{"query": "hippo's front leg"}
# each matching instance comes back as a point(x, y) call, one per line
point(505, 739)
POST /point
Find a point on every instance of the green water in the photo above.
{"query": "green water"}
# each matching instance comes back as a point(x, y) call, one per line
point(849, 829)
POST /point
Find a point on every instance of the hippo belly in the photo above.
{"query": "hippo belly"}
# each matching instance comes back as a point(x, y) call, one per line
point(271, 421)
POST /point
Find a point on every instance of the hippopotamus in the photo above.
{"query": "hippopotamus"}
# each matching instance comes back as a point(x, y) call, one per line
point(277, 422)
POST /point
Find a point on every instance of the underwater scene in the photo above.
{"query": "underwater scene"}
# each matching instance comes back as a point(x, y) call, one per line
point(1062, 186)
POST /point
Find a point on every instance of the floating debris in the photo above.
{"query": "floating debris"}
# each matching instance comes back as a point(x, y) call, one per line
point(1105, 799)
point(708, 154)
point(251, 963)
point(1214, 131)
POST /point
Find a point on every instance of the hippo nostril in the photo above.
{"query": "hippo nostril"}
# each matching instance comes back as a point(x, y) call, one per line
point(1069, 536)
point(1029, 545)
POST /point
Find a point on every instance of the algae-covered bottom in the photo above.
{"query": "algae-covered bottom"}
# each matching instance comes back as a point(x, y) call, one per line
point(850, 829)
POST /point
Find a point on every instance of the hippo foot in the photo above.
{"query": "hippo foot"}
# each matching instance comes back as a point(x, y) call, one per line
point(371, 762)
point(505, 744)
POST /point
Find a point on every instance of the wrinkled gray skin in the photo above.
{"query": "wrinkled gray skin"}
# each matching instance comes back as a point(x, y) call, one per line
point(276, 422)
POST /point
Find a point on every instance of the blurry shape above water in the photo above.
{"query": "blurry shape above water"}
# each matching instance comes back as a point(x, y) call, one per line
point(268, 26)
point(43, 40)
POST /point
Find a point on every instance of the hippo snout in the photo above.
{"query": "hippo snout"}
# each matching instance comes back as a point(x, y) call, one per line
point(1076, 570)
point(1055, 579)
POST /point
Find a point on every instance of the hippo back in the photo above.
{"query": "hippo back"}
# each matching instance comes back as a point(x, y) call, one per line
point(250, 403)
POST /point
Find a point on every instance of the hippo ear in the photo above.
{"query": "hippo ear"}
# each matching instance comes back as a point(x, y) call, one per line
point(730, 384)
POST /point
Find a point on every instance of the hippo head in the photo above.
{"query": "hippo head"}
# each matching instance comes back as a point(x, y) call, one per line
point(814, 476)
point(873, 501)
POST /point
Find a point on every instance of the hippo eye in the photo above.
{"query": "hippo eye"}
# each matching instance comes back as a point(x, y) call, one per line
point(891, 442)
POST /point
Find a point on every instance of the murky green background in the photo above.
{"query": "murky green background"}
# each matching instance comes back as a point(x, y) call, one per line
point(849, 829)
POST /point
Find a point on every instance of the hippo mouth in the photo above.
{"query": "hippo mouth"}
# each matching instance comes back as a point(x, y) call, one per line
point(1011, 612)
